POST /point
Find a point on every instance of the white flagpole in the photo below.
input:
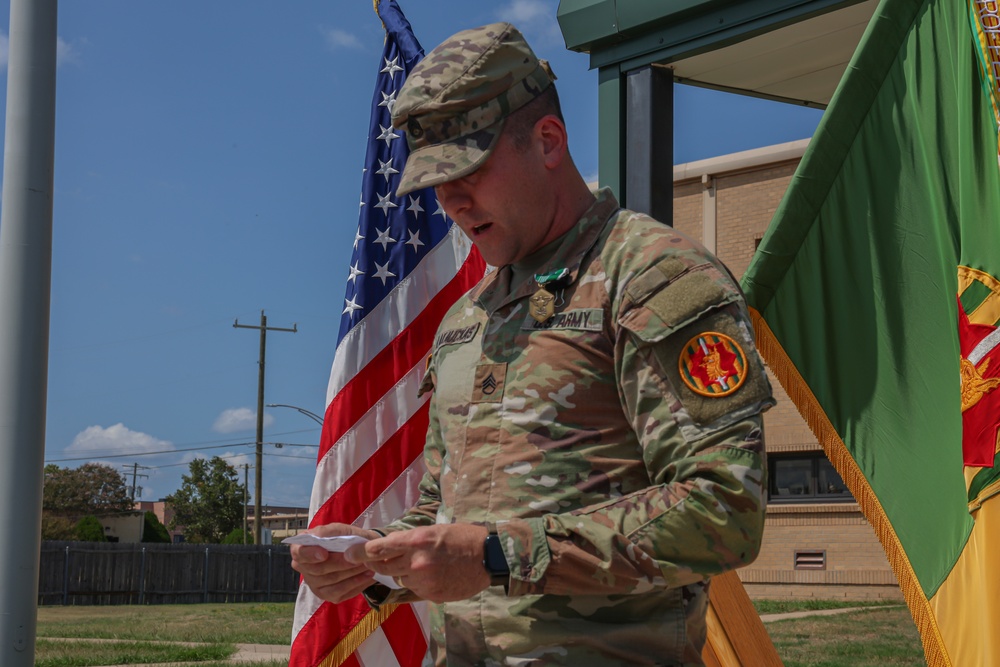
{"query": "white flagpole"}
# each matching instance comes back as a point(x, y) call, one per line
point(25, 278)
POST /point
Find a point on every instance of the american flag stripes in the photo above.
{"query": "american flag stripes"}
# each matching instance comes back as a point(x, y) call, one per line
point(409, 264)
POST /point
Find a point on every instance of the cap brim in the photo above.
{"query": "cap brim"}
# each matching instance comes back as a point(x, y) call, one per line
point(439, 163)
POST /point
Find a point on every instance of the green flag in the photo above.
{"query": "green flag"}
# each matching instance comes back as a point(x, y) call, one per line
point(876, 299)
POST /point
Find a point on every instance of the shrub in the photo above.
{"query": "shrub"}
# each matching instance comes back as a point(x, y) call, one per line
point(236, 535)
point(89, 529)
point(153, 530)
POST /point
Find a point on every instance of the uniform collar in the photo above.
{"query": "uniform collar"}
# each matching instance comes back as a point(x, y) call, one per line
point(495, 292)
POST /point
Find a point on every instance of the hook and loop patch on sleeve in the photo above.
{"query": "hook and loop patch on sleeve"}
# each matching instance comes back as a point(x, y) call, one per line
point(688, 318)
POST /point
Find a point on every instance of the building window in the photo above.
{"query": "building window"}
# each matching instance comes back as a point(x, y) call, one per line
point(805, 478)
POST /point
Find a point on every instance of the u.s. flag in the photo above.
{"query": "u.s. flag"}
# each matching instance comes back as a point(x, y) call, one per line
point(409, 265)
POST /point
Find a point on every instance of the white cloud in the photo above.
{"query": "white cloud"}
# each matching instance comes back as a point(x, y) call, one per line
point(117, 437)
point(239, 460)
point(526, 11)
point(66, 52)
point(535, 18)
point(340, 39)
point(234, 420)
point(187, 457)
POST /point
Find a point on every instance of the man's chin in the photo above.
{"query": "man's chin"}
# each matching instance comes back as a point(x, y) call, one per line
point(491, 257)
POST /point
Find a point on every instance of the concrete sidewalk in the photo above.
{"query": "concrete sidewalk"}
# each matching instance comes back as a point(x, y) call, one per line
point(245, 653)
point(260, 653)
point(820, 612)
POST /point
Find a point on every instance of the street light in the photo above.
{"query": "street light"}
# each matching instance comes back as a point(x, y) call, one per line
point(312, 415)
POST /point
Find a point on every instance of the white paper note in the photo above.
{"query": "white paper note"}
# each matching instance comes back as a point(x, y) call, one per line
point(338, 544)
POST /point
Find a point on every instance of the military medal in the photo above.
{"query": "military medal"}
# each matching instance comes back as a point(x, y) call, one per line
point(542, 303)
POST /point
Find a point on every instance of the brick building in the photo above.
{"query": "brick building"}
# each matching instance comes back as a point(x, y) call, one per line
point(816, 541)
point(164, 513)
point(281, 522)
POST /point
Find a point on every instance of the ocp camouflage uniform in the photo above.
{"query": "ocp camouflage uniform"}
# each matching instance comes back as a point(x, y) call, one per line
point(618, 480)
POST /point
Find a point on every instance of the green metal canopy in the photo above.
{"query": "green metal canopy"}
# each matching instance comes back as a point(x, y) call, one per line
point(792, 51)
point(789, 50)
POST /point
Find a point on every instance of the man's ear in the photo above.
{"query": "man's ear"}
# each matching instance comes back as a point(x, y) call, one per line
point(551, 135)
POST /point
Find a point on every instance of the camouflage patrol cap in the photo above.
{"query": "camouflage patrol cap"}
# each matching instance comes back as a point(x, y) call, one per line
point(453, 103)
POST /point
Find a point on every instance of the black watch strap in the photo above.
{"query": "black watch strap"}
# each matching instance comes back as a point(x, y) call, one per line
point(493, 558)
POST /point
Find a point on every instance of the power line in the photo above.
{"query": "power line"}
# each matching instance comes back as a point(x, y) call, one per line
point(129, 453)
point(188, 463)
point(211, 442)
point(132, 454)
point(291, 456)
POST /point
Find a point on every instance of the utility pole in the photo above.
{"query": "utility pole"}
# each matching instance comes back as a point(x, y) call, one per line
point(135, 473)
point(246, 467)
point(260, 414)
point(25, 280)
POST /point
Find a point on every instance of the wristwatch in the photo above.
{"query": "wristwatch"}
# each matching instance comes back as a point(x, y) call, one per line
point(493, 558)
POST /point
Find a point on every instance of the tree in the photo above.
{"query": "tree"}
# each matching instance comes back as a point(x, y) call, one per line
point(57, 528)
point(209, 503)
point(153, 530)
point(89, 529)
point(93, 488)
point(238, 536)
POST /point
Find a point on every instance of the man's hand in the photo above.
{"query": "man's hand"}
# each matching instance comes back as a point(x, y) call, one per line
point(439, 563)
point(330, 576)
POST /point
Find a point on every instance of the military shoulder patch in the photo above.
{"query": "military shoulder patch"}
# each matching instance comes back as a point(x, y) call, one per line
point(712, 364)
point(714, 369)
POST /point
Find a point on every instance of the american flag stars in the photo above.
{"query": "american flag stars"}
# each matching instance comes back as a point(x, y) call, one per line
point(388, 101)
point(391, 67)
point(386, 169)
point(387, 134)
point(384, 239)
point(384, 203)
point(394, 234)
point(414, 240)
point(370, 448)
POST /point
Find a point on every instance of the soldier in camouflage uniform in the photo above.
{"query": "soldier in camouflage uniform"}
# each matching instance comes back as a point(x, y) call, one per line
point(595, 450)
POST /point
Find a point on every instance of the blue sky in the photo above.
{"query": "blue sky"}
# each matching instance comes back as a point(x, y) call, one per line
point(208, 164)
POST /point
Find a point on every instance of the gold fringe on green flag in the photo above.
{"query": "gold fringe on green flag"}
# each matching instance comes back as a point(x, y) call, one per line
point(873, 294)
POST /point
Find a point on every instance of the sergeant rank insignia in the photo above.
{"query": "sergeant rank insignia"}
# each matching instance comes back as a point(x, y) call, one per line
point(712, 364)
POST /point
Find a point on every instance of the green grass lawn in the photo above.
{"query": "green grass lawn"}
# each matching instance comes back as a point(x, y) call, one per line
point(877, 636)
point(871, 637)
point(55, 653)
point(237, 623)
point(217, 626)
